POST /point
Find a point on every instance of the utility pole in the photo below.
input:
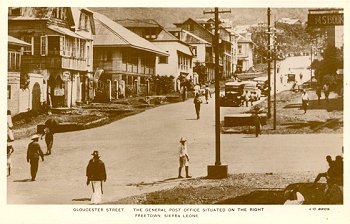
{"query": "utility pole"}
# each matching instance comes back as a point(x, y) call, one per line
point(218, 170)
point(269, 62)
point(274, 77)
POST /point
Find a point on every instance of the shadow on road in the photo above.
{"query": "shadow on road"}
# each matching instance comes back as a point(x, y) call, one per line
point(316, 125)
point(167, 180)
point(24, 180)
point(313, 194)
point(81, 199)
point(335, 104)
point(191, 119)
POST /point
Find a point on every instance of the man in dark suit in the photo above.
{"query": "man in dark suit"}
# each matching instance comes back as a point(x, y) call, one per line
point(33, 153)
point(96, 174)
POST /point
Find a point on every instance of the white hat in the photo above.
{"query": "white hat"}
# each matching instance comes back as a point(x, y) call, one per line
point(34, 137)
point(182, 139)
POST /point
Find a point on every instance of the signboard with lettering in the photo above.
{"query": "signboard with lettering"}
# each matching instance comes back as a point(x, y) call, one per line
point(326, 19)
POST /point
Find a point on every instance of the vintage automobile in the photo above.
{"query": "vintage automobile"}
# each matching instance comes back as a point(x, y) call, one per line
point(263, 85)
point(233, 94)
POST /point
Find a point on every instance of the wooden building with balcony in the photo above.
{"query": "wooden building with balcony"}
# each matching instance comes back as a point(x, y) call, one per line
point(61, 41)
point(123, 61)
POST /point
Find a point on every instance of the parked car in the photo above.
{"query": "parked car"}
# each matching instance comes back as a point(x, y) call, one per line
point(263, 84)
point(233, 94)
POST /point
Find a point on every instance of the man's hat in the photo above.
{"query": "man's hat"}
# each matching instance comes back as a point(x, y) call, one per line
point(34, 137)
point(95, 153)
point(182, 139)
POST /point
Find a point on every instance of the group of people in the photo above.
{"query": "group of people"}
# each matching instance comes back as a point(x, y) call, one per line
point(305, 97)
point(326, 91)
point(10, 139)
point(246, 98)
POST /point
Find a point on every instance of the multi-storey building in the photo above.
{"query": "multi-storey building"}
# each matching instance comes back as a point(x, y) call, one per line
point(124, 62)
point(61, 50)
point(205, 30)
point(179, 62)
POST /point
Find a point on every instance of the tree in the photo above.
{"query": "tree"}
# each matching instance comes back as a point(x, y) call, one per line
point(325, 70)
point(201, 70)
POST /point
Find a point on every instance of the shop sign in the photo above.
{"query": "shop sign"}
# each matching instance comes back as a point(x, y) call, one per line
point(328, 19)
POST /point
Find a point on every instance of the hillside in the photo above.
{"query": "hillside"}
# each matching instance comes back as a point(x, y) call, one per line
point(167, 16)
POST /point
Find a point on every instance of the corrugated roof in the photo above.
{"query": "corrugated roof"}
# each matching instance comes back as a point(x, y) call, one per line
point(138, 23)
point(110, 33)
point(13, 40)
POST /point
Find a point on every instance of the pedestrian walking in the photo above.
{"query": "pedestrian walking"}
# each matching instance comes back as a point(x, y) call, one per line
point(326, 91)
point(246, 98)
point(305, 100)
point(96, 174)
point(301, 77)
point(257, 124)
point(184, 92)
point(197, 105)
point(33, 153)
point(10, 150)
point(48, 133)
point(318, 93)
point(10, 136)
point(207, 93)
point(183, 158)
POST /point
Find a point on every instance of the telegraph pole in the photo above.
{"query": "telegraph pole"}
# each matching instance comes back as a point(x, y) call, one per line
point(218, 170)
point(274, 77)
point(269, 62)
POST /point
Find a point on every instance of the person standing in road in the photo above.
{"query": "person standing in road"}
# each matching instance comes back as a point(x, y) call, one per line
point(183, 157)
point(257, 124)
point(207, 93)
point(33, 153)
point(305, 100)
point(197, 105)
point(326, 91)
point(10, 150)
point(48, 139)
point(10, 136)
point(318, 93)
point(246, 98)
point(96, 174)
point(184, 92)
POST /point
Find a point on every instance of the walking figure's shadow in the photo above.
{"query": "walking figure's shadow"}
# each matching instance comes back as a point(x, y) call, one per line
point(24, 180)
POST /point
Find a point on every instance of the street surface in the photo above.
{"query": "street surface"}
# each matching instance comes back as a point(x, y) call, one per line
point(144, 149)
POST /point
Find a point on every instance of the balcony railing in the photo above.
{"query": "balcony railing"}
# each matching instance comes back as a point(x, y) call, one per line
point(66, 63)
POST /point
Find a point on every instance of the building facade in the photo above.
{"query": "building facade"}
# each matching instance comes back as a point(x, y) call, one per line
point(245, 47)
point(61, 50)
point(124, 62)
point(179, 62)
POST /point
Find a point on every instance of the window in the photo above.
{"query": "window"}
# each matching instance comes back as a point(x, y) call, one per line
point(14, 61)
point(190, 27)
point(8, 91)
point(84, 22)
point(239, 49)
point(163, 60)
point(14, 11)
point(29, 50)
point(88, 55)
point(43, 45)
point(194, 50)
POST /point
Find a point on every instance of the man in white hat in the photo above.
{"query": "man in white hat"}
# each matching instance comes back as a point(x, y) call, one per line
point(183, 157)
point(96, 174)
point(33, 153)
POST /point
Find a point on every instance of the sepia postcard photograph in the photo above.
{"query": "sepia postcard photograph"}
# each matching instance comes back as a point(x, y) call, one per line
point(175, 113)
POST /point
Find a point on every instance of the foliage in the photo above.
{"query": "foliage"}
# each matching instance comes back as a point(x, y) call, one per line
point(42, 12)
point(288, 37)
point(24, 80)
point(325, 70)
point(162, 84)
point(201, 70)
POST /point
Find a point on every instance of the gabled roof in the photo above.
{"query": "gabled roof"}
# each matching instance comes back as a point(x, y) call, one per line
point(110, 33)
point(194, 21)
point(138, 23)
point(165, 36)
point(15, 41)
point(190, 38)
point(76, 12)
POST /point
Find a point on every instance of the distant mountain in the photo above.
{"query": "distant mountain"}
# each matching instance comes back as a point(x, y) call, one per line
point(167, 16)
